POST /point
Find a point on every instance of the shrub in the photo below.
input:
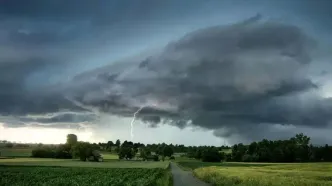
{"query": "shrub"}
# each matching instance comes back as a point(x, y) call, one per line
point(211, 155)
point(43, 152)
point(9, 145)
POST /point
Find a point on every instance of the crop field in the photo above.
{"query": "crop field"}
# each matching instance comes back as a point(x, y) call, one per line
point(62, 176)
point(262, 174)
point(77, 163)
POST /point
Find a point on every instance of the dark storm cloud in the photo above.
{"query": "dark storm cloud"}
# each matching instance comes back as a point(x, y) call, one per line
point(243, 77)
point(44, 43)
point(61, 118)
point(236, 77)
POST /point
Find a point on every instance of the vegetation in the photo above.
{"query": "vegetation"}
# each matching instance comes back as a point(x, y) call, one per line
point(15, 152)
point(20, 175)
point(76, 163)
point(217, 165)
point(268, 174)
point(296, 149)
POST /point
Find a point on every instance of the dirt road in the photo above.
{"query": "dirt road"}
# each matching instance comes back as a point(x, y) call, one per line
point(184, 178)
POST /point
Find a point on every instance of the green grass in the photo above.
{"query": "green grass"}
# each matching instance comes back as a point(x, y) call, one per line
point(62, 176)
point(194, 164)
point(109, 156)
point(227, 151)
point(261, 174)
point(77, 163)
point(15, 152)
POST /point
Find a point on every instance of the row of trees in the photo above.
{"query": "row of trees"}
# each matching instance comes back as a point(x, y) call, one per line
point(129, 150)
point(71, 149)
point(295, 149)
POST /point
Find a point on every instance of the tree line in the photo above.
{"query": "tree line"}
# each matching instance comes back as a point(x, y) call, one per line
point(295, 149)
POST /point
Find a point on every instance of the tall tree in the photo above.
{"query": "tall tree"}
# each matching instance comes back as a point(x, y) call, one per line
point(118, 143)
point(71, 139)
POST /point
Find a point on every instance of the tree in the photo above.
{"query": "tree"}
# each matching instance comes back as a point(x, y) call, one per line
point(109, 145)
point(83, 150)
point(118, 143)
point(198, 154)
point(211, 155)
point(167, 151)
point(43, 152)
point(9, 145)
point(126, 153)
point(145, 153)
point(71, 139)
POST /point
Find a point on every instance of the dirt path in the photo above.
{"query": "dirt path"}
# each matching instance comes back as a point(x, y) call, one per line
point(184, 178)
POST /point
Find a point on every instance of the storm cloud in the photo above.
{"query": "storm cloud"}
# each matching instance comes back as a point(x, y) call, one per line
point(236, 77)
point(251, 77)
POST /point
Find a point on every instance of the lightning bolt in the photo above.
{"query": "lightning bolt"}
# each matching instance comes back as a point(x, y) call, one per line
point(132, 123)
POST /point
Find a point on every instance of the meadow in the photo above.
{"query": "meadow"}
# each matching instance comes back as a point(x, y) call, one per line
point(261, 174)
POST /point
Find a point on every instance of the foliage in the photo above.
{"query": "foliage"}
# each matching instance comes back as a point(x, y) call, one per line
point(211, 155)
point(82, 176)
point(126, 153)
point(9, 145)
point(296, 149)
point(84, 151)
point(118, 143)
point(71, 139)
point(167, 151)
point(145, 153)
point(43, 152)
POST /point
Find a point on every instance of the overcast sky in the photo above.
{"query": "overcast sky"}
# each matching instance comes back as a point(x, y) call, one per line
point(201, 72)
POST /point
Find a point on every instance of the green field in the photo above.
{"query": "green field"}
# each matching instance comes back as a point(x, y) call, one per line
point(15, 152)
point(194, 164)
point(261, 174)
point(26, 152)
point(62, 176)
point(77, 163)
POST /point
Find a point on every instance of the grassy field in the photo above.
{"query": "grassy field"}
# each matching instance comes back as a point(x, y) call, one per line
point(261, 174)
point(77, 163)
point(26, 152)
point(15, 152)
point(194, 164)
point(62, 176)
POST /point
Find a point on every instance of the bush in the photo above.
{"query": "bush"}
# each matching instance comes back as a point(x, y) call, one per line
point(9, 145)
point(21, 145)
point(61, 152)
point(172, 158)
point(43, 152)
point(211, 155)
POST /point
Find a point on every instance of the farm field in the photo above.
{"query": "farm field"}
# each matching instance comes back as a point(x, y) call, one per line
point(261, 174)
point(77, 163)
point(26, 175)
